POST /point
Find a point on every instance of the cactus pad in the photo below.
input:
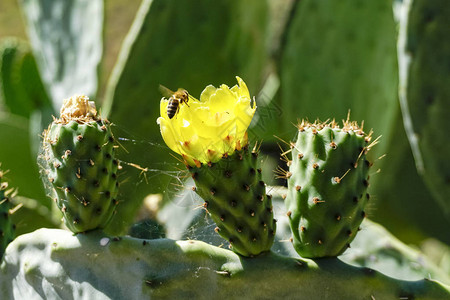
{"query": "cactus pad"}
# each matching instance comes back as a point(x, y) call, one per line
point(53, 264)
point(327, 182)
point(427, 91)
point(81, 168)
point(235, 196)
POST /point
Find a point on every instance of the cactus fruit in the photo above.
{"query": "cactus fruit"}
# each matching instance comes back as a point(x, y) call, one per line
point(78, 152)
point(6, 227)
point(235, 196)
point(327, 182)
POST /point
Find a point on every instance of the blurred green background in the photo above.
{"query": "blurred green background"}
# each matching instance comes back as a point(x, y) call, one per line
point(119, 16)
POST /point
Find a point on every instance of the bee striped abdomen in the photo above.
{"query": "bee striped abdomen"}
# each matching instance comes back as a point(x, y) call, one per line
point(172, 107)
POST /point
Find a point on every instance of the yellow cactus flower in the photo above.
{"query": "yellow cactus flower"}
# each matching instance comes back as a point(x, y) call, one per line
point(204, 130)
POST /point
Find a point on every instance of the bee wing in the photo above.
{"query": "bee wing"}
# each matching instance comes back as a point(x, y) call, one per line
point(165, 91)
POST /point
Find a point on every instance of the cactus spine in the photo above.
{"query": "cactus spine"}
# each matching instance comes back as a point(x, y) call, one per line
point(81, 166)
point(236, 199)
point(327, 182)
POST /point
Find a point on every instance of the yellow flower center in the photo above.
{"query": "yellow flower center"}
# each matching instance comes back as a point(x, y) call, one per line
point(204, 130)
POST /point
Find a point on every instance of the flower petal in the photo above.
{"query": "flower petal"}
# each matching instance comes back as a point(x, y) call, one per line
point(203, 131)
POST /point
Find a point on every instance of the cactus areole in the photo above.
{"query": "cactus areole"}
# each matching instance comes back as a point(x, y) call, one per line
point(211, 136)
point(80, 166)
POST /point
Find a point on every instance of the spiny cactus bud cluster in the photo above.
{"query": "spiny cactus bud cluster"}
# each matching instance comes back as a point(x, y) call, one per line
point(235, 196)
point(327, 183)
point(80, 165)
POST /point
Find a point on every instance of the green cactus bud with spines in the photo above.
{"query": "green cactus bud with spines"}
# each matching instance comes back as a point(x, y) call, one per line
point(7, 228)
point(235, 197)
point(80, 165)
point(327, 183)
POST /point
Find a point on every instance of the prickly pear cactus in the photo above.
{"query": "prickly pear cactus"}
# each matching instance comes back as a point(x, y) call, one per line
point(79, 164)
point(53, 264)
point(6, 226)
point(327, 182)
point(211, 136)
point(424, 63)
point(235, 196)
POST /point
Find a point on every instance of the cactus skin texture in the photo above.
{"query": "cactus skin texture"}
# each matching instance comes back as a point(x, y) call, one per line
point(428, 93)
point(82, 172)
point(7, 228)
point(55, 264)
point(332, 51)
point(327, 182)
point(147, 229)
point(235, 196)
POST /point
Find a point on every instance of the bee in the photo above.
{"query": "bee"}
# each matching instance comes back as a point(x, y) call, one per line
point(176, 99)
